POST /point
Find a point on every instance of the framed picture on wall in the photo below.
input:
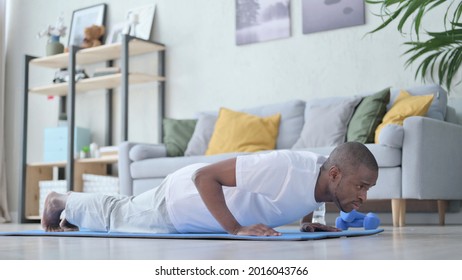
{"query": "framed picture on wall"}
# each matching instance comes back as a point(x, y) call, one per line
point(83, 18)
point(262, 20)
point(323, 15)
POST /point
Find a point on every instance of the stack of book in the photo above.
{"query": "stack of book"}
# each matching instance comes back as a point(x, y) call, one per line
point(106, 71)
point(109, 151)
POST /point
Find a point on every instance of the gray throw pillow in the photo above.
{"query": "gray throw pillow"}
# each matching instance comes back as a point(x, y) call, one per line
point(202, 134)
point(326, 122)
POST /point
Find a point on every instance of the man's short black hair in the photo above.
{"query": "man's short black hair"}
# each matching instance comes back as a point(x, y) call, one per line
point(349, 156)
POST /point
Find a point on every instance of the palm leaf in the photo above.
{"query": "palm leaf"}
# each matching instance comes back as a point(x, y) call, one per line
point(413, 10)
point(441, 54)
point(457, 13)
point(390, 18)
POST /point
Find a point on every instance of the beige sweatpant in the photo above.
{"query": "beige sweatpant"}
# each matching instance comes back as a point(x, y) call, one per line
point(144, 213)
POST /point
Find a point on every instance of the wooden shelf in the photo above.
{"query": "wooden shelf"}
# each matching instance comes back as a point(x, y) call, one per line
point(102, 82)
point(98, 54)
point(34, 217)
point(105, 159)
point(33, 173)
point(48, 164)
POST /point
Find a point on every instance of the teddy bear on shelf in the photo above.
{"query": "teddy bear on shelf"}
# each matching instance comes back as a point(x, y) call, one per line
point(92, 36)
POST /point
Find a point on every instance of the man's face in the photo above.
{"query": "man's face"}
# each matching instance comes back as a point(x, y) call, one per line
point(350, 191)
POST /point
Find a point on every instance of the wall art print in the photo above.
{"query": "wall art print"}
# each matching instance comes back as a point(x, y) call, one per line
point(262, 20)
point(322, 15)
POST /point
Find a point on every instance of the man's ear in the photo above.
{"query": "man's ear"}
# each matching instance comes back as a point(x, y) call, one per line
point(334, 174)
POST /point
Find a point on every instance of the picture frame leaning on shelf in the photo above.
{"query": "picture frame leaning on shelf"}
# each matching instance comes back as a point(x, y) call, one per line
point(85, 17)
point(138, 23)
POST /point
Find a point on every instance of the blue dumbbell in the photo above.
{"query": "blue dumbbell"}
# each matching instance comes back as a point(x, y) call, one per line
point(357, 219)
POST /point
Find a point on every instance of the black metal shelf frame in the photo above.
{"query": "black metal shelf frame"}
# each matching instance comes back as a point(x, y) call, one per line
point(70, 108)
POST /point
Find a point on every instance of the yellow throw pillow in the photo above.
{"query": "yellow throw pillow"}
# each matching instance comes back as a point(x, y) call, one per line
point(406, 105)
point(242, 132)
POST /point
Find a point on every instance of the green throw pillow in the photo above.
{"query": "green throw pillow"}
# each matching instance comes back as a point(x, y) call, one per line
point(367, 116)
point(177, 134)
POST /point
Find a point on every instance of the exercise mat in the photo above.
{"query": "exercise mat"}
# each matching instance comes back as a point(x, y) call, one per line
point(287, 235)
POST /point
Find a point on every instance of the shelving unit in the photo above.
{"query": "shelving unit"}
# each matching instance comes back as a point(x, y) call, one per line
point(32, 173)
point(109, 81)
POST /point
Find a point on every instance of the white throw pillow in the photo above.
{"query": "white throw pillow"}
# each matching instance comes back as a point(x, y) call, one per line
point(326, 122)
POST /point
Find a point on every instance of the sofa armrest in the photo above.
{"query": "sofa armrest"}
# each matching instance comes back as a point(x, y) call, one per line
point(432, 159)
point(146, 151)
point(130, 152)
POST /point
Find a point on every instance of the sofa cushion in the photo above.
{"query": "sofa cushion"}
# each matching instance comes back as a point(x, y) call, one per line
point(388, 185)
point(438, 106)
point(177, 134)
point(290, 125)
point(202, 134)
point(367, 116)
point(166, 165)
point(292, 119)
point(242, 132)
point(405, 106)
point(326, 121)
point(385, 156)
point(143, 185)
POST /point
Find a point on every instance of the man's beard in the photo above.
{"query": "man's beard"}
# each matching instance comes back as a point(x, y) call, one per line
point(336, 200)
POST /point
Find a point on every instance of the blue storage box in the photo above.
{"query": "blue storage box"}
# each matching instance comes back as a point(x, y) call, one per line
point(56, 139)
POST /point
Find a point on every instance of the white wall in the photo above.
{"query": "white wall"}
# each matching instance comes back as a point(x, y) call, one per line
point(205, 68)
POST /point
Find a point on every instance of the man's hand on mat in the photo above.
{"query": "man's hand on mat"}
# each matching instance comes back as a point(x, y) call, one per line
point(257, 230)
point(312, 227)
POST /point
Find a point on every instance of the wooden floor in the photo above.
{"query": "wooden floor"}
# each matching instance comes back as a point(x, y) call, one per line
point(406, 243)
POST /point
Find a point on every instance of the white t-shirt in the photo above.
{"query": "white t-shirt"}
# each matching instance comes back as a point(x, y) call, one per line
point(274, 188)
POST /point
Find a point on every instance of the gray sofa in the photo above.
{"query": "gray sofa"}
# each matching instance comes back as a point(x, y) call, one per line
point(422, 159)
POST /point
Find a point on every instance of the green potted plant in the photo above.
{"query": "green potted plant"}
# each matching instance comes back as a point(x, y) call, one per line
point(438, 54)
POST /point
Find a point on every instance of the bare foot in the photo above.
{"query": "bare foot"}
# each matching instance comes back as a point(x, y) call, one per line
point(51, 219)
point(66, 226)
